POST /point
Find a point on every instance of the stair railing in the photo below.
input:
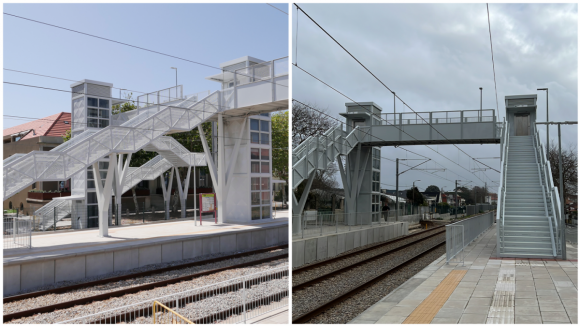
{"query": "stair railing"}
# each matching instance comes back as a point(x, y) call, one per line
point(502, 183)
point(549, 190)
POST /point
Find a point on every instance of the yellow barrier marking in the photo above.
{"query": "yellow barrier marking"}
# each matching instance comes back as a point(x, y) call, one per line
point(427, 310)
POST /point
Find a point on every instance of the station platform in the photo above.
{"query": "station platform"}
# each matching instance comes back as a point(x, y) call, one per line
point(73, 255)
point(486, 290)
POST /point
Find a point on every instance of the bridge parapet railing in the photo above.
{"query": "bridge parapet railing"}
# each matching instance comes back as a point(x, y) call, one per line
point(162, 96)
point(436, 117)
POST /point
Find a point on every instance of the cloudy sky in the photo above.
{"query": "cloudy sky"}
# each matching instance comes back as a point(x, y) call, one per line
point(435, 57)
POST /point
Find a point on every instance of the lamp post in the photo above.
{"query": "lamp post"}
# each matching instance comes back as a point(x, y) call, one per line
point(175, 75)
point(547, 119)
point(413, 190)
point(480, 103)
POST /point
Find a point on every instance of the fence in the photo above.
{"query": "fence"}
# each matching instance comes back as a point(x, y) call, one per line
point(233, 301)
point(17, 233)
point(164, 315)
point(314, 223)
point(460, 234)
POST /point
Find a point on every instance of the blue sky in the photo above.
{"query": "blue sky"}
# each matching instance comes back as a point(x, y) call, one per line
point(206, 33)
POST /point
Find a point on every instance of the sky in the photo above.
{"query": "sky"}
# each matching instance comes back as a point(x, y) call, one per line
point(435, 57)
point(205, 33)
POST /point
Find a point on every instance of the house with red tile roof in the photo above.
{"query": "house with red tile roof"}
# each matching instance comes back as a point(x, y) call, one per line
point(39, 135)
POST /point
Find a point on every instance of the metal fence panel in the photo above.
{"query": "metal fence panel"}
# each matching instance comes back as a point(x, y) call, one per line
point(17, 233)
point(233, 301)
point(462, 233)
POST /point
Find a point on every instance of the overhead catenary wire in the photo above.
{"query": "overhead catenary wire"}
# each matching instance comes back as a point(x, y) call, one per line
point(277, 8)
point(380, 81)
point(133, 46)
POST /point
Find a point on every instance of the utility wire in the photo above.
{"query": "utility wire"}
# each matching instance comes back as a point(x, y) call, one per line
point(492, 61)
point(133, 46)
point(380, 81)
point(277, 8)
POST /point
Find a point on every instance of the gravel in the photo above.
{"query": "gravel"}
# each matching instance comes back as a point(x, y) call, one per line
point(131, 271)
point(305, 299)
point(299, 278)
point(79, 311)
point(220, 303)
point(349, 309)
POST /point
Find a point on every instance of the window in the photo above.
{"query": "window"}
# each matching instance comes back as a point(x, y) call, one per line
point(265, 139)
point(265, 167)
point(91, 197)
point(103, 165)
point(265, 154)
point(265, 212)
point(265, 114)
point(92, 210)
point(255, 167)
point(265, 197)
point(255, 124)
point(265, 183)
point(92, 102)
point(255, 137)
point(256, 213)
point(98, 113)
point(255, 198)
point(260, 198)
point(255, 154)
point(265, 126)
point(255, 183)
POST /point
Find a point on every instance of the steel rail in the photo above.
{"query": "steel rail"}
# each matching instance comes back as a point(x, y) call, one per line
point(119, 293)
point(303, 318)
point(133, 275)
point(363, 262)
point(337, 258)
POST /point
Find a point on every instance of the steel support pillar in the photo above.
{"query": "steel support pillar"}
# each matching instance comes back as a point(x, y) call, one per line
point(104, 193)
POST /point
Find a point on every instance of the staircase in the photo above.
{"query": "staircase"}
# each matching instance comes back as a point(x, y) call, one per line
point(317, 152)
point(527, 222)
point(46, 213)
point(147, 126)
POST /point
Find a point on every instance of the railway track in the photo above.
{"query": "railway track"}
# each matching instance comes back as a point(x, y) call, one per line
point(135, 289)
point(321, 293)
point(308, 274)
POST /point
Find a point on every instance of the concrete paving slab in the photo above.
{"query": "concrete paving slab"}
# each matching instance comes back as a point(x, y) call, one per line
point(493, 290)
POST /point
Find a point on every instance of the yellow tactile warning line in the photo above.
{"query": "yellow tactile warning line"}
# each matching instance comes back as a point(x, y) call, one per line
point(427, 310)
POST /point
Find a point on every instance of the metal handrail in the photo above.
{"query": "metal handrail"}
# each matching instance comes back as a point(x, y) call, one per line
point(173, 312)
point(548, 182)
point(503, 180)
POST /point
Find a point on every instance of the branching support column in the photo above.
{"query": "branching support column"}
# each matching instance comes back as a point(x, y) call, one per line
point(104, 194)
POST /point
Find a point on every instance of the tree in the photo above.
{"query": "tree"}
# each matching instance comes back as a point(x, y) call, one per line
point(280, 145)
point(416, 198)
point(466, 194)
point(66, 137)
point(307, 122)
point(432, 188)
point(569, 169)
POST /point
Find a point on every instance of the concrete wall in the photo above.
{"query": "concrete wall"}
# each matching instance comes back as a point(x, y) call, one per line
point(305, 251)
point(20, 276)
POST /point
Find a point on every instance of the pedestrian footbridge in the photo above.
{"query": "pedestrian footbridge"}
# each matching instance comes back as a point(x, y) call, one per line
point(530, 223)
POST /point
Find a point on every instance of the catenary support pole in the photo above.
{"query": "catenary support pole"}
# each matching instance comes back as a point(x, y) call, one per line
point(397, 194)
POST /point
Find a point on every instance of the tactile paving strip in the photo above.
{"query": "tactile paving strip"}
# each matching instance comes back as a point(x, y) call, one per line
point(427, 310)
point(503, 302)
